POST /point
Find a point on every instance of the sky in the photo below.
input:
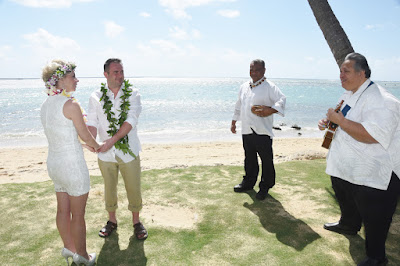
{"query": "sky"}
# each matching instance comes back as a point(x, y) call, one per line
point(194, 38)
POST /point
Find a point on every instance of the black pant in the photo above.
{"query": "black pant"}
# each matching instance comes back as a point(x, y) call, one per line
point(254, 144)
point(373, 207)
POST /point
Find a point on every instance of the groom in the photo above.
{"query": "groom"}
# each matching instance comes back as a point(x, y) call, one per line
point(120, 152)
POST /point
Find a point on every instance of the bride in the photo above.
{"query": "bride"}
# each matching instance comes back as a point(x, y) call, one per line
point(63, 121)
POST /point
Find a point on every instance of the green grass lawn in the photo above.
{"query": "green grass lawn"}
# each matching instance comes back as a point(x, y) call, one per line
point(194, 218)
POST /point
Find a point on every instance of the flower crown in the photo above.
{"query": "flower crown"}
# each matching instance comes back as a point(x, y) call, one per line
point(61, 71)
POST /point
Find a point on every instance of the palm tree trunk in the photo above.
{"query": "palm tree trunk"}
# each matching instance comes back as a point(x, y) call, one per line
point(334, 34)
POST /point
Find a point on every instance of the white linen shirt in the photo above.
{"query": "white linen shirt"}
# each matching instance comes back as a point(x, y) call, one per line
point(98, 119)
point(361, 163)
point(268, 94)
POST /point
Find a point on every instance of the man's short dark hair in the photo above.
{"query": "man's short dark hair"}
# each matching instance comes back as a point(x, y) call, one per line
point(109, 61)
point(258, 62)
point(360, 63)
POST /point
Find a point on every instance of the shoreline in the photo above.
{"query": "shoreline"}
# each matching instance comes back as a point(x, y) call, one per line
point(280, 132)
point(28, 164)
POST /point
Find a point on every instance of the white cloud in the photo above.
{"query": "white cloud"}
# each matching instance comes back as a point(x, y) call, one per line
point(43, 40)
point(385, 68)
point(178, 7)
point(374, 27)
point(4, 50)
point(196, 34)
point(49, 3)
point(309, 59)
point(112, 29)
point(163, 48)
point(146, 50)
point(193, 50)
point(230, 54)
point(109, 52)
point(145, 14)
point(180, 34)
point(166, 46)
point(228, 13)
point(42, 46)
point(178, 13)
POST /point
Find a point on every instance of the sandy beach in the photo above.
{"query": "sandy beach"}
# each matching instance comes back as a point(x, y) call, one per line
point(28, 164)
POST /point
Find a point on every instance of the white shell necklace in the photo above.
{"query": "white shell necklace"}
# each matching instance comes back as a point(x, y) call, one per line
point(253, 85)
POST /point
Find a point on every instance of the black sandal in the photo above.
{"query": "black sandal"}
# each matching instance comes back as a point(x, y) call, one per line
point(140, 232)
point(108, 229)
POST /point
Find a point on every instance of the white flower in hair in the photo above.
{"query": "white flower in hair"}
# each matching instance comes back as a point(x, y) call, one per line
point(61, 71)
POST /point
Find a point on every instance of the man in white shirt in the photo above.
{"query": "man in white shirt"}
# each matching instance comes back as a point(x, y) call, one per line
point(363, 160)
point(258, 101)
point(113, 115)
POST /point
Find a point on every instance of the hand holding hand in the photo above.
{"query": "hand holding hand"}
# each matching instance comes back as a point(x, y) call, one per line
point(100, 146)
point(106, 146)
point(88, 147)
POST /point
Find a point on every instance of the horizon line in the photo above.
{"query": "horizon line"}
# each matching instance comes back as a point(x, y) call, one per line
point(333, 79)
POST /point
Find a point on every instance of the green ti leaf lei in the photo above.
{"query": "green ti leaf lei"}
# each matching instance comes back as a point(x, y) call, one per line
point(115, 124)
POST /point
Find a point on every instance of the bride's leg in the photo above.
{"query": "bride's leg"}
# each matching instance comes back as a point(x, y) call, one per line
point(63, 220)
point(78, 225)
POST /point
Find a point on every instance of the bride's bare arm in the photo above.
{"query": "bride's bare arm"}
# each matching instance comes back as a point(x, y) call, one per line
point(72, 111)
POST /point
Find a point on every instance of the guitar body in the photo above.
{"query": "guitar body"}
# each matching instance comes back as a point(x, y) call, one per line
point(330, 132)
point(328, 139)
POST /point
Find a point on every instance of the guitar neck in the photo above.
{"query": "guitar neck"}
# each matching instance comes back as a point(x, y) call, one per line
point(331, 129)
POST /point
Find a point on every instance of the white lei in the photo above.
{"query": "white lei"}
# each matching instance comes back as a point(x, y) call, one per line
point(253, 85)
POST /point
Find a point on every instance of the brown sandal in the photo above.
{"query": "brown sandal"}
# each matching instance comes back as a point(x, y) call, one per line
point(108, 229)
point(140, 232)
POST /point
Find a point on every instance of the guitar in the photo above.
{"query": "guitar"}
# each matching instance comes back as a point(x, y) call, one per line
point(331, 129)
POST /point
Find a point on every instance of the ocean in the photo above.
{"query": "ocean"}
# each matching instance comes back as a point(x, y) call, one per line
point(176, 109)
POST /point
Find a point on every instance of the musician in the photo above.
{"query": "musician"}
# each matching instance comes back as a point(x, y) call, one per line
point(258, 100)
point(363, 160)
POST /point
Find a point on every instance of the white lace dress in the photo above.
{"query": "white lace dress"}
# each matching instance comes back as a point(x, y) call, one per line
point(66, 164)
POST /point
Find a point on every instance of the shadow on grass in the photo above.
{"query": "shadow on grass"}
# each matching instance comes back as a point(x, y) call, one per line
point(355, 242)
point(330, 192)
point(275, 219)
point(356, 250)
point(111, 253)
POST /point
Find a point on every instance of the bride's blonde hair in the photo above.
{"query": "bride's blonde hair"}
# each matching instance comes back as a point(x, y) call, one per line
point(53, 71)
point(51, 67)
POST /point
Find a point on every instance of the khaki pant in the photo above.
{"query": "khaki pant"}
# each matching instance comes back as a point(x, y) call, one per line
point(131, 174)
